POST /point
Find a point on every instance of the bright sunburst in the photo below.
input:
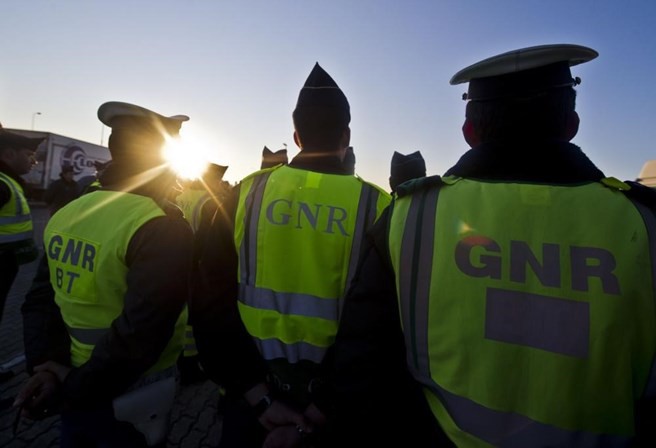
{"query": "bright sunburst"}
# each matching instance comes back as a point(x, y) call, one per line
point(186, 158)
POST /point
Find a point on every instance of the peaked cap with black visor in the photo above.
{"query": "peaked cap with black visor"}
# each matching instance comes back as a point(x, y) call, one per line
point(137, 129)
point(523, 73)
point(9, 140)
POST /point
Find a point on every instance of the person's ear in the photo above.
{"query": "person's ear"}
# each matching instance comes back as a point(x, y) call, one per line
point(573, 122)
point(470, 134)
point(297, 140)
point(346, 138)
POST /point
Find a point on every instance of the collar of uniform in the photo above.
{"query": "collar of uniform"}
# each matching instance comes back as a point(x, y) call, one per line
point(131, 179)
point(553, 162)
point(326, 163)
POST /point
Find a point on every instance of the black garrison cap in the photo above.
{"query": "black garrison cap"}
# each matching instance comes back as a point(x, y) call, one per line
point(215, 171)
point(271, 159)
point(322, 92)
point(524, 72)
point(406, 167)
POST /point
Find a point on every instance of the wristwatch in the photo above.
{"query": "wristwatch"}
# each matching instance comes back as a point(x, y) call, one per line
point(262, 405)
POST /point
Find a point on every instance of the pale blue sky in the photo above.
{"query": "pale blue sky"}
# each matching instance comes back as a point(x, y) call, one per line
point(235, 67)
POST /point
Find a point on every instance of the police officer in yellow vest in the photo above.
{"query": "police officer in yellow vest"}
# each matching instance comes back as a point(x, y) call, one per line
point(522, 280)
point(288, 259)
point(119, 261)
point(16, 242)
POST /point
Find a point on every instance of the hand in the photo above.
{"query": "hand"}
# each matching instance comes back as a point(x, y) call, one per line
point(315, 416)
point(39, 391)
point(59, 370)
point(284, 437)
point(279, 414)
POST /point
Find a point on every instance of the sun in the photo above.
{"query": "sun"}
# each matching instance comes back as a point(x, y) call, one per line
point(187, 158)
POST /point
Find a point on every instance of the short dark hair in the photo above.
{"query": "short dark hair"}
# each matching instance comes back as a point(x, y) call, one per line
point(319, 128)
point(542, 116)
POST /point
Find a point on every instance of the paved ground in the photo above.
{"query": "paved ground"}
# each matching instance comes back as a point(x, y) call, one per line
point(195, 422)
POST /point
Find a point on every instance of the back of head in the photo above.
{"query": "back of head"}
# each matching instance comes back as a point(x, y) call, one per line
point(322, 112)
point(138, 134)
point(271, 159)
point(406, 167)
point(523, 94)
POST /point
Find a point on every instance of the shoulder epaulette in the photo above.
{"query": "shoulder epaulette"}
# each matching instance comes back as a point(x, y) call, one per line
point(412, 186)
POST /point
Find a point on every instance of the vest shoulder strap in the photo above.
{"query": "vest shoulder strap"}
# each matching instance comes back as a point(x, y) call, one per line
point(262, 171)
point(372, 185)
point(642, 194)
point(415, 185)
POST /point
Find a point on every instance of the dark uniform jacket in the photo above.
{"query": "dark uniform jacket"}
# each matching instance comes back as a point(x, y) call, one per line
point(59, 193)
point(159, 262)
point(369, 351)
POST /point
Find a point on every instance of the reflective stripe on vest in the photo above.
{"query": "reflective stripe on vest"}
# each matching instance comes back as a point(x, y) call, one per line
point(88, 336)
point(79, 246)
point(284, 322)
point(515, 318)
point(15, 216)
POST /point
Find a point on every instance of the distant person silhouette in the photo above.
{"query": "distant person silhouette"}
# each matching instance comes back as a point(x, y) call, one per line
point(271, 159)
point(406, 167)
point(63, 190)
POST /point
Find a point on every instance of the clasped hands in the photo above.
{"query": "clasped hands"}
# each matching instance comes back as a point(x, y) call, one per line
point(288, 428)
point(39, 392)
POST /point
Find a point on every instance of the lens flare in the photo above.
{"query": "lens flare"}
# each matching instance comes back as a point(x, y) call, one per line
point(186, 159)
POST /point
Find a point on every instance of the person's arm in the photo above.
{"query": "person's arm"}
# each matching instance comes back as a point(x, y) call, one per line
point(159, 266)
point(370, 385)
point(226, 350)
point(45, 337)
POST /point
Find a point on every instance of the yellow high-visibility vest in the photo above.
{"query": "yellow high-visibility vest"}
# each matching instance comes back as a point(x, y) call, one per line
point(528, 310)
point(87, 237)
point(298, 233)
point(16, 228)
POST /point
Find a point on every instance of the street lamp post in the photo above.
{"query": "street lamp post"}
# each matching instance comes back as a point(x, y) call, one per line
point(34, 118)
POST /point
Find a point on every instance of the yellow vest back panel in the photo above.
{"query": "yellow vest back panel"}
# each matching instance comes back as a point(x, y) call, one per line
point(528, 310)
